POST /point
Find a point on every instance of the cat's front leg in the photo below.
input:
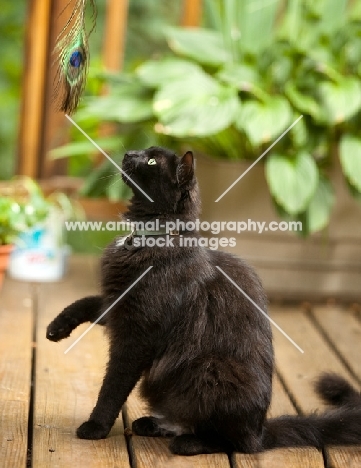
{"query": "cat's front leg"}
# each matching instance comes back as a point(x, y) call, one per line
point(87, 309)
point(125, 367)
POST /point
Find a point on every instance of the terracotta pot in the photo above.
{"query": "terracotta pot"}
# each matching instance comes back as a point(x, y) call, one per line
point(101, 208)
point(5, 251)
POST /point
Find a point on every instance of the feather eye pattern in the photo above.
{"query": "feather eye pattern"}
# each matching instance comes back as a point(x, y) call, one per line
point(73, 56)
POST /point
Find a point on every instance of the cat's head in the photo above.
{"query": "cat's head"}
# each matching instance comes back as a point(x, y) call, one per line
point(158, 173)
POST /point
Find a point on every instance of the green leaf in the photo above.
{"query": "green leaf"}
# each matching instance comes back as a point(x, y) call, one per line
point(319, 210)
point(299, 134)
point(157, 72)
point(292, 181)
point(121, 107)
point(203, 45)
point(79, 148)
point(332, 14)
point(255, 23)
point(195, 105)
point(128, 103)
point(350, 158)
point(341, 100)
point(239, 75)
point(304, 103)
point(263, 121)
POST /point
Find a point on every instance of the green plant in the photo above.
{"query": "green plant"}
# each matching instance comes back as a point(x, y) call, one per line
point(230, 89)
point(23, 205)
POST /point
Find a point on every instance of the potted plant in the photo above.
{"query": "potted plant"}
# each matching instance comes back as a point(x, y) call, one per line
point(10, 225)
point(17, 216)
point(25, 216)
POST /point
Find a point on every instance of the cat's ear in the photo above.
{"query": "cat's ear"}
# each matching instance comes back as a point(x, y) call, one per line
point(185, 169)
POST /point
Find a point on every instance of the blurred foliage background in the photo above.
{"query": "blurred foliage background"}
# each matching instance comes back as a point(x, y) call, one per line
point(144, 36)
point(227, 89)
point(12, 21)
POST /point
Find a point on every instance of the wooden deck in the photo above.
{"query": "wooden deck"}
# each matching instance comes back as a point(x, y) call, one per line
point(45, 395)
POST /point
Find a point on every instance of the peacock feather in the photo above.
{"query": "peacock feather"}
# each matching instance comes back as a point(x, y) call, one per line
point(72, 52)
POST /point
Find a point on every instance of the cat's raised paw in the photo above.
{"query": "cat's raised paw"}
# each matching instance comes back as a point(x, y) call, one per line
point(57, 332)
point(92, 430)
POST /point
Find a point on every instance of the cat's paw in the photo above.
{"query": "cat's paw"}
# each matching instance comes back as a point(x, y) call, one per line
point(189, 444)
point(146, 426)
point(92, 430)
point(58, 330)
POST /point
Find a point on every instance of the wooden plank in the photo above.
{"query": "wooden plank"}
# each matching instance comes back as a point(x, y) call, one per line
point(280, 403)
point(153, 451)
point(344, 457)
point(343, 328)
point(16, 324)
point(300, 370)
point(297, 370)
point(55, 131)
point(67, 386)
point(292, 457)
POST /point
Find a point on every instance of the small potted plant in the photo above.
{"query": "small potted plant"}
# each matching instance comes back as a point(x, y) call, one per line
point(13, 221)
point(31, 230)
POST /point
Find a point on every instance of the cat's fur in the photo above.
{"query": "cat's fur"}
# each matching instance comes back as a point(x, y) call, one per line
point(204, 350)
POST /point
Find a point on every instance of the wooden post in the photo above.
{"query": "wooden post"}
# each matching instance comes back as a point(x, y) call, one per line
point(32, 108)
point(114, 34)
point(55, 130)
point(192, 12)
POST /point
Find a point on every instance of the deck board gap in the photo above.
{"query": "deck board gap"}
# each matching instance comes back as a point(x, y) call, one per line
point(288, 392)
point(232, 460)
point(331, 344)
point(125, 419)
point(34, 313)
point(325, 458)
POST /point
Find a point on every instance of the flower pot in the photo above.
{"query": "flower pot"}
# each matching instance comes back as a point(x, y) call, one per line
point(325, 264)
point(102, 208)
point(5, 251)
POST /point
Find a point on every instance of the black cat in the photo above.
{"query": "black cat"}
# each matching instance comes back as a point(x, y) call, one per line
point(203, 349)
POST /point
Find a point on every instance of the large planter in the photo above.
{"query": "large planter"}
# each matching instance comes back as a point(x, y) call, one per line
point(102, 208)
point(325, 265)
point(5, 251)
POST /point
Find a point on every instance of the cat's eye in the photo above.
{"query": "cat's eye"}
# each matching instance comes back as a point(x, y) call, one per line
point(152, 162)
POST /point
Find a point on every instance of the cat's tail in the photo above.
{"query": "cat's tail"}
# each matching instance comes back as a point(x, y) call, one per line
point(340, 426)
point(337, 427)
point(336, 391)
